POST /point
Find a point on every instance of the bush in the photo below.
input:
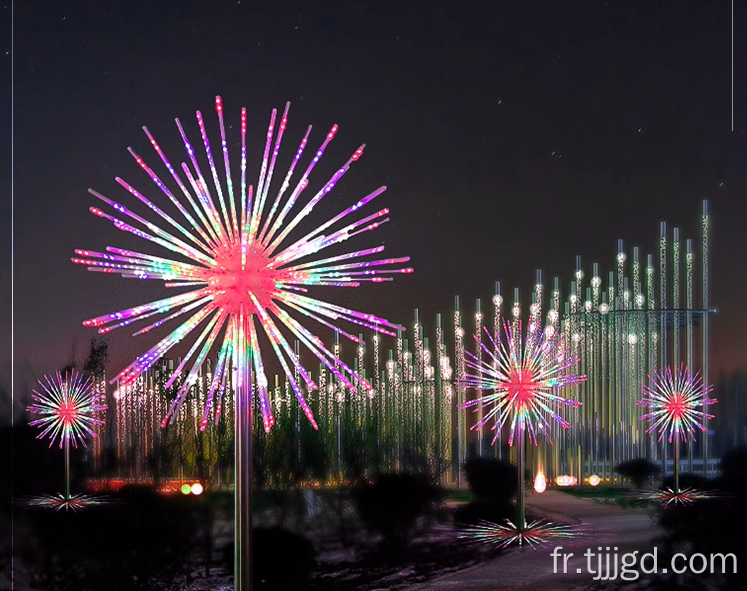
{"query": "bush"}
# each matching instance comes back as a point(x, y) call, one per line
point(638, 470)
point(734, 470)
point(392, 505)
point(140, 543)
point(491, 479)
point(282, 560)
point(711, 526)
point(493, 484)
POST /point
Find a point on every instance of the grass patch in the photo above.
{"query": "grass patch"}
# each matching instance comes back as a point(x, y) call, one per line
point(458, 496)
point(608, 495)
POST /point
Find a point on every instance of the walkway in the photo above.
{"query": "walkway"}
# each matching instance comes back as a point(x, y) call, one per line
point(525, 569)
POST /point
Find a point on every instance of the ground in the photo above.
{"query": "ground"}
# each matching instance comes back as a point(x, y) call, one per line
point(445, 563)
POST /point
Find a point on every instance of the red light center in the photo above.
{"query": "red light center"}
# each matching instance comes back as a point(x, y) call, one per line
point(233, 284)
point(67, 413)
point(521, 388)
point(676, 406)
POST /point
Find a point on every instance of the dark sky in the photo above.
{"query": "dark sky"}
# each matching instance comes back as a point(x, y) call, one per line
point(512, 135)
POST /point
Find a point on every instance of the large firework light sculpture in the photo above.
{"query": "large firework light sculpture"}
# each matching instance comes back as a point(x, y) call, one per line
point(238, 274)
point(676, 402)
point(68, 407)
point(518, 377)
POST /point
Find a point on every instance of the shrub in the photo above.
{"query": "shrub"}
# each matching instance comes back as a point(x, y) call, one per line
point(711, 526)
point(734, 470)
point(141, 542)
point(638, 470)
point(393, 503)
point(493, 484)
point(491, 478)
point(272, 569)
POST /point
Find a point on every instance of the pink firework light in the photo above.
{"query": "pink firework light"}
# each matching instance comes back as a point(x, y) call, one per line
point(675, 400)
point(67, 407)
point(520, 375)
point(535, 534)
point(239, 271)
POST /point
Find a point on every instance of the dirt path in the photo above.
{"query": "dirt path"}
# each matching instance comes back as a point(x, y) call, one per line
point(528, 569)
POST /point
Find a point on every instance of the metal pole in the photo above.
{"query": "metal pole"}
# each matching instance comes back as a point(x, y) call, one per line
point(689, 324)
point(521, 523)
point(663, 349)
point(497, 301)
point(458, 417)
point(705, 334)
point(478, 355)
point(67, 468)
point(677, 463)
point(243, 470)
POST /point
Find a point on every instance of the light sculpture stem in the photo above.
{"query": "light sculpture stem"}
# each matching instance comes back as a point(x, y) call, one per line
point(67, 468)
point(243, 477)
point(520, 461)
point(677, 463)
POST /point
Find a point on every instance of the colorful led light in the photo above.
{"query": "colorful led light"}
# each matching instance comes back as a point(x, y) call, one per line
point(685, 496)
point(674, 400)
point(58, 502)
point(520, 376)
point(243, 275)
point(68, 407)
point(535, 534)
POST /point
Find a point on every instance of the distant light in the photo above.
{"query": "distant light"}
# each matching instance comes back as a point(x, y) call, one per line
point(540, 483)
point(186, 489)
point(565, 480)
point(594, 480)
point(196, 488)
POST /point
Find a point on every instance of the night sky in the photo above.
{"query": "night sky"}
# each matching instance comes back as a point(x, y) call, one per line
point(512, 135)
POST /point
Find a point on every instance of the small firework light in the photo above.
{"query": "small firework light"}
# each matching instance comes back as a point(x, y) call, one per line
point(68, 409)
point(540, 483)
point(535, 534)
point(685, 496)
point(58, 502)
point(676, 402)
point(518, 378)
point(234, 256)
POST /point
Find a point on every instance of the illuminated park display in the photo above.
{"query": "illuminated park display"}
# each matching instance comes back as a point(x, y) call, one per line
point(69, 410)
point(238, 276)
point(675, 400)
point(518, 379)
point(622, 329)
